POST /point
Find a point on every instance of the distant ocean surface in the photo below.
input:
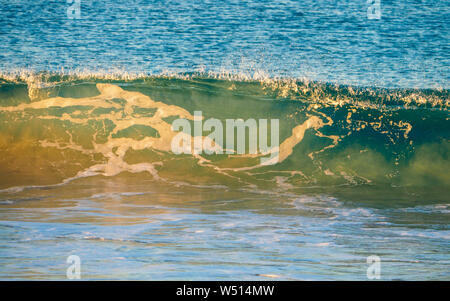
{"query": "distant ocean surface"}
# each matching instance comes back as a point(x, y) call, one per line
point(330, 41)
point(86, 165)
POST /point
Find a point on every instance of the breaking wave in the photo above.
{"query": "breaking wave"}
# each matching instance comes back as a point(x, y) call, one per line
point(58, 127)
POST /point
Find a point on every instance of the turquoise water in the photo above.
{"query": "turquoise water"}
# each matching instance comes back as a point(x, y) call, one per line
point(87, 167)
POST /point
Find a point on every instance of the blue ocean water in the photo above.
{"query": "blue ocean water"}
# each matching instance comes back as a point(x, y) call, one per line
point(81, 88)
point(331, 41)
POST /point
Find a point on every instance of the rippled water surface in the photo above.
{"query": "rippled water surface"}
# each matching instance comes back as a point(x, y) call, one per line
point(202, 234)
point(322, 40)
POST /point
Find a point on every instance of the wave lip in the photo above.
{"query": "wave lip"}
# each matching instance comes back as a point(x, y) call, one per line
point(300, 89)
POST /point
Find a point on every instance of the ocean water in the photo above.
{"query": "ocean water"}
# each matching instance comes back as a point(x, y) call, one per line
point(89, 96)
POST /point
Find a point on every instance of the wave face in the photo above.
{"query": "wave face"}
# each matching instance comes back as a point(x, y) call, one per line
point(64, 128)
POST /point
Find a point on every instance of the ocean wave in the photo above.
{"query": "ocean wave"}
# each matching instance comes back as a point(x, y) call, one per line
point(58, 128)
